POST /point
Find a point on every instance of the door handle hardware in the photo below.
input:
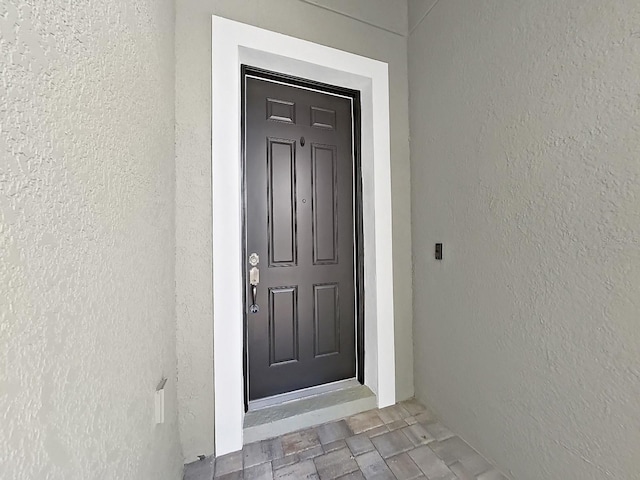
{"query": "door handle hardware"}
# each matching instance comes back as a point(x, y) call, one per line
point(254, 308)
point(254, 280)
point(254, 276)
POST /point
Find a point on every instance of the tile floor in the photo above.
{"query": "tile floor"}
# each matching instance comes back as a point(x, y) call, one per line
point(400, 442)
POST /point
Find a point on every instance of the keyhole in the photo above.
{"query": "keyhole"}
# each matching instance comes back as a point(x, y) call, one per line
point(302, 141)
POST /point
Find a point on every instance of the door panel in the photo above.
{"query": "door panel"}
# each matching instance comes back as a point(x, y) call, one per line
point(281, 214)
point(283, 325)
point(299, 214)
point(324, 204)
point(326, 319)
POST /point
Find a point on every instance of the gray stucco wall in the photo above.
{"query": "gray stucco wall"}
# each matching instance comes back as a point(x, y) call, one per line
point(300, 19)
point(87, 241)
point(525, 133)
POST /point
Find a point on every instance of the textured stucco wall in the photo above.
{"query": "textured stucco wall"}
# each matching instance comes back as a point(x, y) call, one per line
point(193, 174)
point(525, 136)
point(87, 241)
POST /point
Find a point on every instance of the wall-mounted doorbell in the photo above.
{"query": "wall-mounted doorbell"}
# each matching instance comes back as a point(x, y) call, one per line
point(438, 251)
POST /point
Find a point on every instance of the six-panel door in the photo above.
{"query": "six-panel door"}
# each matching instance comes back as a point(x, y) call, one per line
point(299, 214)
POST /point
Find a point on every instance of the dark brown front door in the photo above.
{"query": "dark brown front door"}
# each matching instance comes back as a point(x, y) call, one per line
point(299, 223)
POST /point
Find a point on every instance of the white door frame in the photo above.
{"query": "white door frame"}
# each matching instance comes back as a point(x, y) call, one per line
point(233, 44)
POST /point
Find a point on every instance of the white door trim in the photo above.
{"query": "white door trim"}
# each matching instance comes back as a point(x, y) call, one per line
point(233, 44)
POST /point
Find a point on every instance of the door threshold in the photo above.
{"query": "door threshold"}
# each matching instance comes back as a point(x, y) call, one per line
point(277, 420)
point(303, 393)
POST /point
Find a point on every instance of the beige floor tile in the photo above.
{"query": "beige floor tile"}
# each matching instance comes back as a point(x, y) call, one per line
point(299, 441)
point(364, 421)
point(359, 444)
point(439, 431)
point(331, 432)
point(285, 461)
point(392, 443)
point(310, 453)
point(298, 471)
point(418, 434)
point(402, 442)
point(403, 467)
point(259, 472)
point(261, 452)
point(476, 464)
point(374, 432)
point(461, 472)
point(357, 475)
point(412, 406)
point(430, 464)
point(393, 413)
point(330, 447)
point(228, 464)
point(398, 424)
point(335, 464)
point(373, 467)
point(425, 417)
